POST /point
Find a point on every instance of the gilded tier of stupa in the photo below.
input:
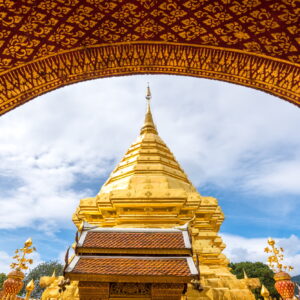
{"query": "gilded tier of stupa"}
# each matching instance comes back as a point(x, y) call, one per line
point(149, 189)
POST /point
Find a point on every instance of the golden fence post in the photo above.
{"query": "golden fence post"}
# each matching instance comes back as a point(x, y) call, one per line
point(265, 293)
point(29, 288)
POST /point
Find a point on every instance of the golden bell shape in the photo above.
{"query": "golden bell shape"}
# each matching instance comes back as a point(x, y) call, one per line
point(284, 286)
point(13, 284)
point(28, 243)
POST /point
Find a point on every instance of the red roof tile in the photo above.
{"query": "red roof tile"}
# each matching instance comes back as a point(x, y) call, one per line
point(132, 266)
point(143, 240)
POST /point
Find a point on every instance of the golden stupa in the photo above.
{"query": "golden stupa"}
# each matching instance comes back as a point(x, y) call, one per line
point(149, 189)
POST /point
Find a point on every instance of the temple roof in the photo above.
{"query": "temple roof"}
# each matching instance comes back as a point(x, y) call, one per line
point(122, 254)
point(125, 238)
point(183, 267)
point(147, 160)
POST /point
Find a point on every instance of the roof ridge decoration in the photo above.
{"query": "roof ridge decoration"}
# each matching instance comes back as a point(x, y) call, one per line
point(134, 229)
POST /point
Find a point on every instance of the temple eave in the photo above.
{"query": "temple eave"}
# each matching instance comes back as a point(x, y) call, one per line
point(135, 251)
point(127, 278)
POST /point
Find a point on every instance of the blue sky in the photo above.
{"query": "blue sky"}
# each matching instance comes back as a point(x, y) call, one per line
point(237, 144)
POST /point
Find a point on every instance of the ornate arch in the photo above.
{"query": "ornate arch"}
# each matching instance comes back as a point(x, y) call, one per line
point(48, 44)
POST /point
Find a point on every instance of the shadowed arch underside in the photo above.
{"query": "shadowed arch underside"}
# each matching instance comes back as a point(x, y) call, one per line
point(48, 44)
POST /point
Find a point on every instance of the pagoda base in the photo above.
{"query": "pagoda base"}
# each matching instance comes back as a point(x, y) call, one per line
point(225, 287)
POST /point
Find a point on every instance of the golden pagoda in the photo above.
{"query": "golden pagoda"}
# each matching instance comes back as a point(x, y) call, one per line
point(148, 189)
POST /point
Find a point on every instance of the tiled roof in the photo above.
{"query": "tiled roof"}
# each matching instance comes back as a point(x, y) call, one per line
point(133, 266)
point(142, 240)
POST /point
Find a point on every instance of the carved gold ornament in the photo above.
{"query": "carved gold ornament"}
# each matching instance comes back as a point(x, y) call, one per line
point(50, 44)
point(276, 257)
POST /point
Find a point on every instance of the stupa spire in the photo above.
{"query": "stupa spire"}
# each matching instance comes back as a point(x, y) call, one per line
point(149, 126)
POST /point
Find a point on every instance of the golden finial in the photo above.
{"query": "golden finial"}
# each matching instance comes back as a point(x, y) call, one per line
point(245, 274)
point(276, 257)
point(20, 257)
point(148, 126)
point(30, 285)
point(148, 93)
point(28, 243)
point(53, 274)
point(81, 226)
point(29, 288)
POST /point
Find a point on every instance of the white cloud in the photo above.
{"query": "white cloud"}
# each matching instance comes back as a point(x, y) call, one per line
point(5, 261)
point(225, 135)
point(278, 177)
point(252, 249)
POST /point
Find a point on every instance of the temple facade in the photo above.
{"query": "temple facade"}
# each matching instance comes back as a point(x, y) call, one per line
point(139, 263)
point(149, 190)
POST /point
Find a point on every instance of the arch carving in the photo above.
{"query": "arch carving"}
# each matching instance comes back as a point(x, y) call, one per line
point(48, 44)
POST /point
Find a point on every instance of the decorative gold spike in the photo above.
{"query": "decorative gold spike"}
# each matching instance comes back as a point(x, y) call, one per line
point(148, 93)
point(149, 126)
point(29, 288)
point(264, 292)
point(245, 274)
point(81, 227)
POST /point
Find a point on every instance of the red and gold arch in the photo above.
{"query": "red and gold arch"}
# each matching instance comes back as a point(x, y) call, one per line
point(46, 44)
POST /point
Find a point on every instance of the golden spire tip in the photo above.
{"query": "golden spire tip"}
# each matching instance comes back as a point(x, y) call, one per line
point(30, 286)
point(264, 292)
point(148, 93)
point(148, 124)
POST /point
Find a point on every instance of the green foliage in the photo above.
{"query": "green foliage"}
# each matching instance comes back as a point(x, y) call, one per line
point(256, 270)
point(296, 279)
point(43, 269)
point(2, 279)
